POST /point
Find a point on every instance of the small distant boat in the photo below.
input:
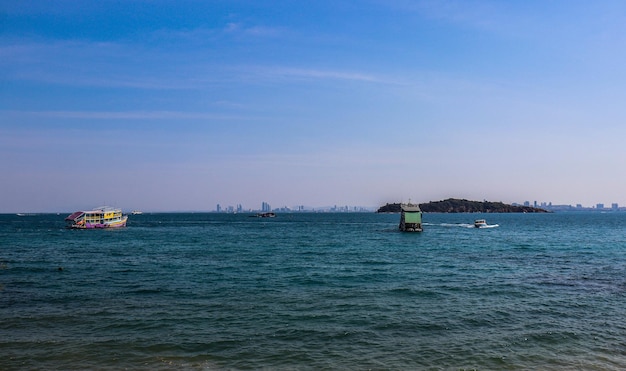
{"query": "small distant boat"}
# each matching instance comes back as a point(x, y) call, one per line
point(100, 217)
point(480, 223)
point(265, 215)
point(137, 212)
point(410, 218)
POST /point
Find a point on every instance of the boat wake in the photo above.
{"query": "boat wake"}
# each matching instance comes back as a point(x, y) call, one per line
point(461, 225)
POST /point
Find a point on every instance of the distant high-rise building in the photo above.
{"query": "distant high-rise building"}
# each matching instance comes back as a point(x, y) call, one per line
point(219, 208)
point(265, 207)
point(526, 203)
point(600, 206)
point(614, 206)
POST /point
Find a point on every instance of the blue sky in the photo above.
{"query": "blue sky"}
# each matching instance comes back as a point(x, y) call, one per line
point(181, 105)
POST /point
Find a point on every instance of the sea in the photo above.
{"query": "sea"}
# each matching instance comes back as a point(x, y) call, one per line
point(314, 291)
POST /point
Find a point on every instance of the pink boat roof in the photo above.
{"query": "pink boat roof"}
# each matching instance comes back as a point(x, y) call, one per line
point(74, 215)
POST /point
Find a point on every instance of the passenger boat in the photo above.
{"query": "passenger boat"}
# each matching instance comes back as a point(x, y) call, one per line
point(480, 223)
point(410, 218)
point(100, 217)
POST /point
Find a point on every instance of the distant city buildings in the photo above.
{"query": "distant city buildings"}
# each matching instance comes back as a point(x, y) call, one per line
point(579, 207)
point(266, 208)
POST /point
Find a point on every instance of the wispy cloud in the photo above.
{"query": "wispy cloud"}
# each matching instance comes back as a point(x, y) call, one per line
point(95, 64)
point(127, 115)
point(74, 63)
point(242, 29)
point(295, 73)
point(478, 14)
point(321, 74)
point(206, 36)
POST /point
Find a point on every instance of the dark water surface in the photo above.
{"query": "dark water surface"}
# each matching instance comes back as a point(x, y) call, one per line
point(315, 291)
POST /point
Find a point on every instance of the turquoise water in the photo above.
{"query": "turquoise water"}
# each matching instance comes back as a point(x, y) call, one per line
point(315, 291)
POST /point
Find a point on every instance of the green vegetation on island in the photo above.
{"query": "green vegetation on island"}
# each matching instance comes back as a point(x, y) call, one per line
point(455, 205)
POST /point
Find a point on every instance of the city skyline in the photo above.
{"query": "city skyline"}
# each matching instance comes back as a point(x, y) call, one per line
point(164, 106)
point(266, 207)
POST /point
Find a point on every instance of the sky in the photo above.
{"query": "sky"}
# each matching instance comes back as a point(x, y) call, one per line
point(182, 105)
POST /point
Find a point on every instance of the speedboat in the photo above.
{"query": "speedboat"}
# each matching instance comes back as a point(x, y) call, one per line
point(480, 223)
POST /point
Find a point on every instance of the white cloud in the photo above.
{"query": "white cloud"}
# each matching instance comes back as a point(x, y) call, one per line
point(127, 115)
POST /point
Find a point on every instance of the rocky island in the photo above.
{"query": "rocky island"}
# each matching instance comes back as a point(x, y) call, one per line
point(454, 205)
